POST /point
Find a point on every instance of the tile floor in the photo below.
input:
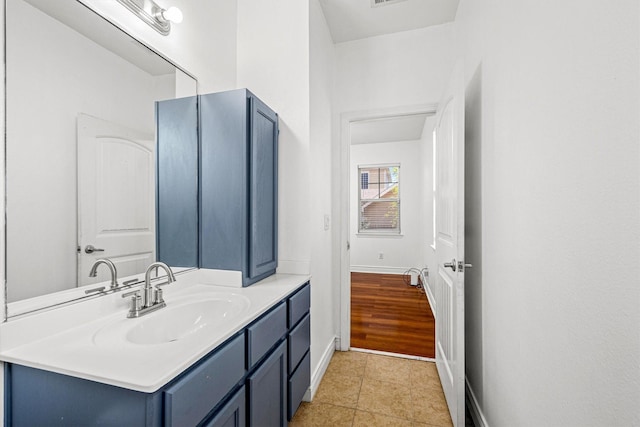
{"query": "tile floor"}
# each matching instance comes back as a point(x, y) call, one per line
point(361, 389)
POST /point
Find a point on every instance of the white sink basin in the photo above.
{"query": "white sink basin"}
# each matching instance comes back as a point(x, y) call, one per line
point(181, 319)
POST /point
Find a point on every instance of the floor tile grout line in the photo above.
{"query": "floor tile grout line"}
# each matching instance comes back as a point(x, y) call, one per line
point(366, 360)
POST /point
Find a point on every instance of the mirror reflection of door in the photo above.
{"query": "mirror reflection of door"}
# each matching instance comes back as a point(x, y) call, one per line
point(116, 198)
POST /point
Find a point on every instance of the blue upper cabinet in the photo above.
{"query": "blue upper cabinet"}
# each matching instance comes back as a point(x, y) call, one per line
point(238, 184)
point(177, 182)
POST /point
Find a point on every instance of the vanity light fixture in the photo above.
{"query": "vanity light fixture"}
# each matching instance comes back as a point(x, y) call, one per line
point(156, 17)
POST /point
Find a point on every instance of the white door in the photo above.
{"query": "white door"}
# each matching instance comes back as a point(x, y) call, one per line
point(116, 198)
point(450, 246)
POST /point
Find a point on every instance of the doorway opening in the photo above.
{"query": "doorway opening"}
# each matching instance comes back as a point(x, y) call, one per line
point(387, 182)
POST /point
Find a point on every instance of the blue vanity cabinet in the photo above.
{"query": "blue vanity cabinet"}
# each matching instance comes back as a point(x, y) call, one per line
point(257, 378)
point(298, 348)
point(238, 185)
point(278, 360)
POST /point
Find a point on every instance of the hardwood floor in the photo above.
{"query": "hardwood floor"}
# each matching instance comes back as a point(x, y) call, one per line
point(388, 315)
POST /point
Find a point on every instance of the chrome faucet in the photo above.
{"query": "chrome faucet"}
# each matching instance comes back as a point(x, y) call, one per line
point(148, 299)
point(152, 296)
point(112, 269)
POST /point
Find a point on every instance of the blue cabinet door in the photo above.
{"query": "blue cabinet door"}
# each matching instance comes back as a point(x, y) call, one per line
point(267, 395)
point(223, 180)
point(263, 189)
point(177, 182)
point(233, 414)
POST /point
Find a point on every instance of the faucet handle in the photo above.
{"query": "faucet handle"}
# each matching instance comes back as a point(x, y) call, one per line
point(130, 282)
point(159, 298)
point(128, 294)
point(136, 304)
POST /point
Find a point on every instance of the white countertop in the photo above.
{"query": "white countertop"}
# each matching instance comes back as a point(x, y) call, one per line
point(62, 340)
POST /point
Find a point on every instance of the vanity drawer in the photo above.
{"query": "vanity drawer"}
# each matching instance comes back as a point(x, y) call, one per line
point(299, 305)
point(265, 333)
point(298, 385)
point(299, 342)
point(193, 396)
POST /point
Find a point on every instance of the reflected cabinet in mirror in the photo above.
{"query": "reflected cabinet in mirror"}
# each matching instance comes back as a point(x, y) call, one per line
point(81, 138)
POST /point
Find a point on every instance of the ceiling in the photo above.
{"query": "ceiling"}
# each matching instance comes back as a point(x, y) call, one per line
point(389, 129)
point(357, 19)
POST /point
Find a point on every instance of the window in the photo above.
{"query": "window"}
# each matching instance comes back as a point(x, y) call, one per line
point(379, 199)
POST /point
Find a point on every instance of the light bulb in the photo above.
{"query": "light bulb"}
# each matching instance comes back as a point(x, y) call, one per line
point(173, 14)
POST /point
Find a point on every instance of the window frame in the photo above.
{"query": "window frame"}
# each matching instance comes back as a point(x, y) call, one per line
point(397, 231)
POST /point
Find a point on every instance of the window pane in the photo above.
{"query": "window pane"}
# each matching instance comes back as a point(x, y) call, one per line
point(379, 182)
point(364, 180)
point(380, 215)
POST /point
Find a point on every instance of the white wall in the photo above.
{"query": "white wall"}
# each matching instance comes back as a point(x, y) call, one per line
point(394, 70)
point(399, 251)
point(322, 67)
point(553, 107)
point(41, 158)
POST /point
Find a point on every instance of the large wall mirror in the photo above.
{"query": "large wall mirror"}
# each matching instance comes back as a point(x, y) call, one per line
point(80, 149)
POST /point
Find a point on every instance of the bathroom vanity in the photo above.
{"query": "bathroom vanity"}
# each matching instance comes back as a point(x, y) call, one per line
point(249, 364)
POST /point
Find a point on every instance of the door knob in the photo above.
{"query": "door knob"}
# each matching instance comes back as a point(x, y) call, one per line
point(451, 265)
point(91, 249)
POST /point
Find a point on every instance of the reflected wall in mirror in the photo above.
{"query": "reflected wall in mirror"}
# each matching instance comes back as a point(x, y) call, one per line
point(80, 146)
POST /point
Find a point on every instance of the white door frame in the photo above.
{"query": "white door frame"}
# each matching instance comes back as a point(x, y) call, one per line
point(345, 260)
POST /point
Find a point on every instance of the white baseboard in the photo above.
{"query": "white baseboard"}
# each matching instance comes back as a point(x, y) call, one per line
point(474, 408)
point(430, 297)
point(320, 370)
point(378, 269)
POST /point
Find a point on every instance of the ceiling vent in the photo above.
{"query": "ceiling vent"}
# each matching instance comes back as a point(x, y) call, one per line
point(378, 3)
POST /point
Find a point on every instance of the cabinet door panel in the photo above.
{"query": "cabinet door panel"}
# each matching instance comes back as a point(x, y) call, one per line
point(177, 182)
point(233, 414)
point(268, 391)
point(223, 180)
point(263, 188)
